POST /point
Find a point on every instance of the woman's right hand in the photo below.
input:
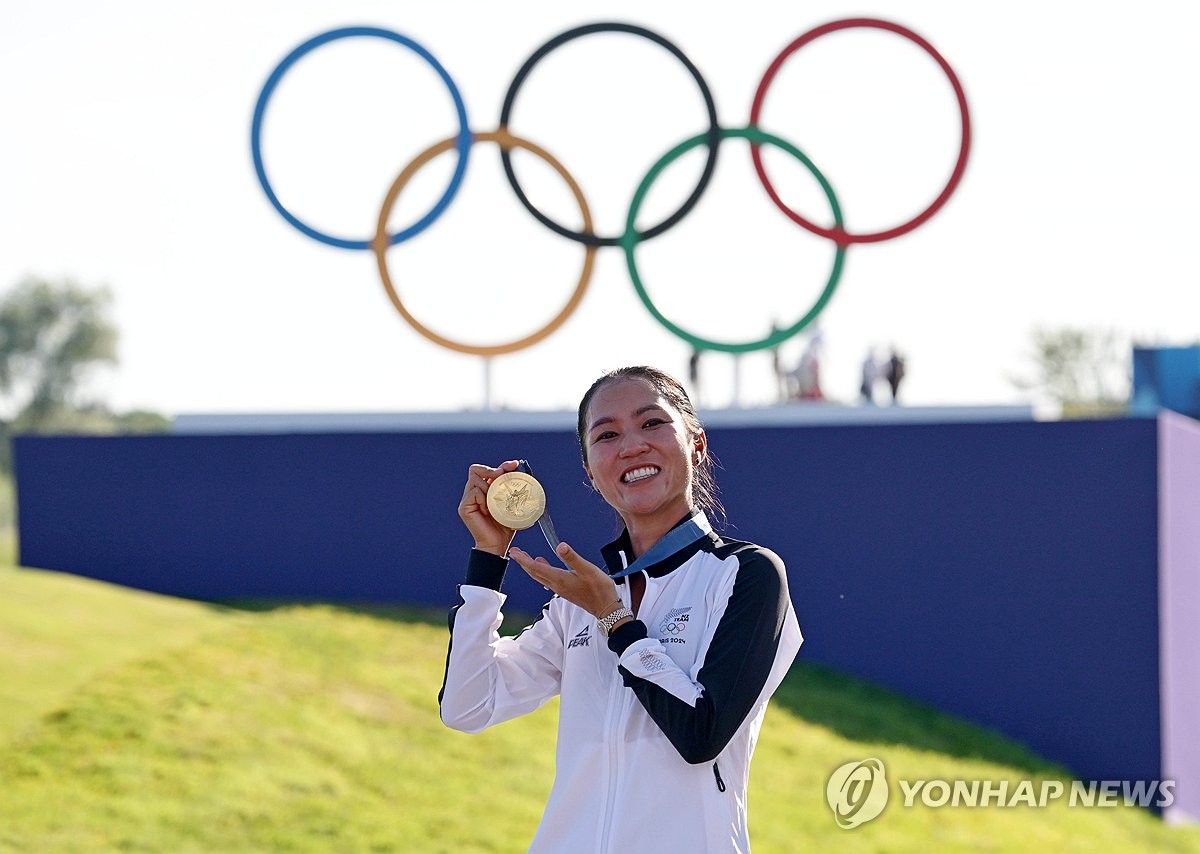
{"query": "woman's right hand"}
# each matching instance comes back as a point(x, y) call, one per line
point(490, 535)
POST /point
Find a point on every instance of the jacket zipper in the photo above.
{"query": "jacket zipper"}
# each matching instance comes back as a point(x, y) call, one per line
point(611, 718)
point(717, 774)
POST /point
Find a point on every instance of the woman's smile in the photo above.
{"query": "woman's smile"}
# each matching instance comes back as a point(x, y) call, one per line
point(640, 474)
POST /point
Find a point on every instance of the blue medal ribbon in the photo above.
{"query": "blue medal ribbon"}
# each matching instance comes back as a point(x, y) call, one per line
point(675, 540)
point(544, 521)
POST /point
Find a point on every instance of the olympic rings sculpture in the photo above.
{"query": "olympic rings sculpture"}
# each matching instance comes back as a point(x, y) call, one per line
point(464, 140)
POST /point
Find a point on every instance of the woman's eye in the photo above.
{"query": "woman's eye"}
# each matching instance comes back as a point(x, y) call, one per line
point(654, 422)
point(607, 434)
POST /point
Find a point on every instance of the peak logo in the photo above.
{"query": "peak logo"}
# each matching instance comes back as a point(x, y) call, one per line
point(580, 639)
point(857, 792)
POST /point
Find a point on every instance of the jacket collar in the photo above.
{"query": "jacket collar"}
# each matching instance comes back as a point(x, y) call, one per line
point(619, 553)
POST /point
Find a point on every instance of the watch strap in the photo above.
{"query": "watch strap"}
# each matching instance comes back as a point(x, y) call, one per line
point(607, 622)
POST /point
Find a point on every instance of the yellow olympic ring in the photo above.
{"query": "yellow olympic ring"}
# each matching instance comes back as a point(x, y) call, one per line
point(381, 241)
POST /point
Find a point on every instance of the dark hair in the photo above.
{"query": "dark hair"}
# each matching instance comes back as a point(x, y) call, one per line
point(704, 487)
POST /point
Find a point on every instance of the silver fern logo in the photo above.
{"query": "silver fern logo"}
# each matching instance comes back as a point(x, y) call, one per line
point(675, 623)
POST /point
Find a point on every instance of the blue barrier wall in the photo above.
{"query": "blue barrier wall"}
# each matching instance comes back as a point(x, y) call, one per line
point(1003, 572)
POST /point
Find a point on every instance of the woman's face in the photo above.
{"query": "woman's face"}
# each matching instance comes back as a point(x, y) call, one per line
point(639, 453)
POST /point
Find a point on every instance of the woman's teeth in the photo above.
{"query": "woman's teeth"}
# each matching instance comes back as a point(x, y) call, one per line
point(640, 474)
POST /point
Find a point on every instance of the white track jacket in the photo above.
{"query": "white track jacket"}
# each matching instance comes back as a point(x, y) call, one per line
point(656, 726)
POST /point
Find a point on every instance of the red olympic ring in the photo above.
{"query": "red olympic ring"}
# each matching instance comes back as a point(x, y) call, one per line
point(840, 235)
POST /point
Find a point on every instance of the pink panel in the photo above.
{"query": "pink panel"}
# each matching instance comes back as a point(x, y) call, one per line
point(1179, 609)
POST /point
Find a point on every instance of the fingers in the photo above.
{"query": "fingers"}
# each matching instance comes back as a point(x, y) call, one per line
point(569, 556)
point(488, 474)
point(489, 534)
point(581, 566)
point(480, 477)
point(539, 569)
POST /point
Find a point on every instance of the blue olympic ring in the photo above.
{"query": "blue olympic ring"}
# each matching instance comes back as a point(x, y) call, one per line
point(463, 145)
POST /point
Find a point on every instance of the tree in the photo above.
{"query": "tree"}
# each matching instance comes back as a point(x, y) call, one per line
point(51, 338)
point(1083, 370)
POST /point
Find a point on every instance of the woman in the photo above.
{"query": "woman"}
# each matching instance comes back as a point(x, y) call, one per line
point(664, 662)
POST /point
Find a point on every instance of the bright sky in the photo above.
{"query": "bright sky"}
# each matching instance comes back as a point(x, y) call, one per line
point(125, 161)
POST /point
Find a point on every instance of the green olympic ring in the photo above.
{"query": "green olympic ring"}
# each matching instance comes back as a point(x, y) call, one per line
point(631, 238)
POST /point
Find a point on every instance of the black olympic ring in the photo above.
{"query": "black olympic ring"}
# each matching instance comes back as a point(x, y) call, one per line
point(714, 131)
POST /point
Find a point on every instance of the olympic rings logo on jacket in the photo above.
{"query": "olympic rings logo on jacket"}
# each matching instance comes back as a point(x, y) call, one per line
point(464, 139)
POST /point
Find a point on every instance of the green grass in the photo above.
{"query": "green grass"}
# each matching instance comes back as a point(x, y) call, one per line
point(8, 512)
point(131, 722)
point(60, 632)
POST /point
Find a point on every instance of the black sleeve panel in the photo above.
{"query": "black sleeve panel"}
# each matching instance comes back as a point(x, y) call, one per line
point(627, 634)
point(737, 665)
point(485, 569)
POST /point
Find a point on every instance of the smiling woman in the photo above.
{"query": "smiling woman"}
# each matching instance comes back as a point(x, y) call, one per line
point(664, 660)
point(663, 400)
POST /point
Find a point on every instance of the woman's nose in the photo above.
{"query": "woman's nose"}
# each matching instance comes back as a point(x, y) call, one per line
point(632, 444)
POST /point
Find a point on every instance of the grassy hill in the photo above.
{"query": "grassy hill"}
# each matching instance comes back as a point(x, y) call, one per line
point(135, 722)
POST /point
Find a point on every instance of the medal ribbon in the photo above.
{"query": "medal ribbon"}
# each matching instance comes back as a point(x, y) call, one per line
point(543, 521)
point(676, 540)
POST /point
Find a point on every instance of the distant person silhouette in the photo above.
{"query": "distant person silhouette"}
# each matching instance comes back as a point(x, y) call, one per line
point(694, 372)
point(870, 373)
point(781, 381)
point(893, 372)
point(806, 377)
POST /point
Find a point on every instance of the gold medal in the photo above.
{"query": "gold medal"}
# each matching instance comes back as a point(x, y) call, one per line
point(516, 500)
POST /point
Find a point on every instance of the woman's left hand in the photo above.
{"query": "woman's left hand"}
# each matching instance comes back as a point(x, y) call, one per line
point(582, 583)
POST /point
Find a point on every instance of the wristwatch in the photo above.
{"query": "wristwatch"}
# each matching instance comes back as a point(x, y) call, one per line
point(606, 623)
